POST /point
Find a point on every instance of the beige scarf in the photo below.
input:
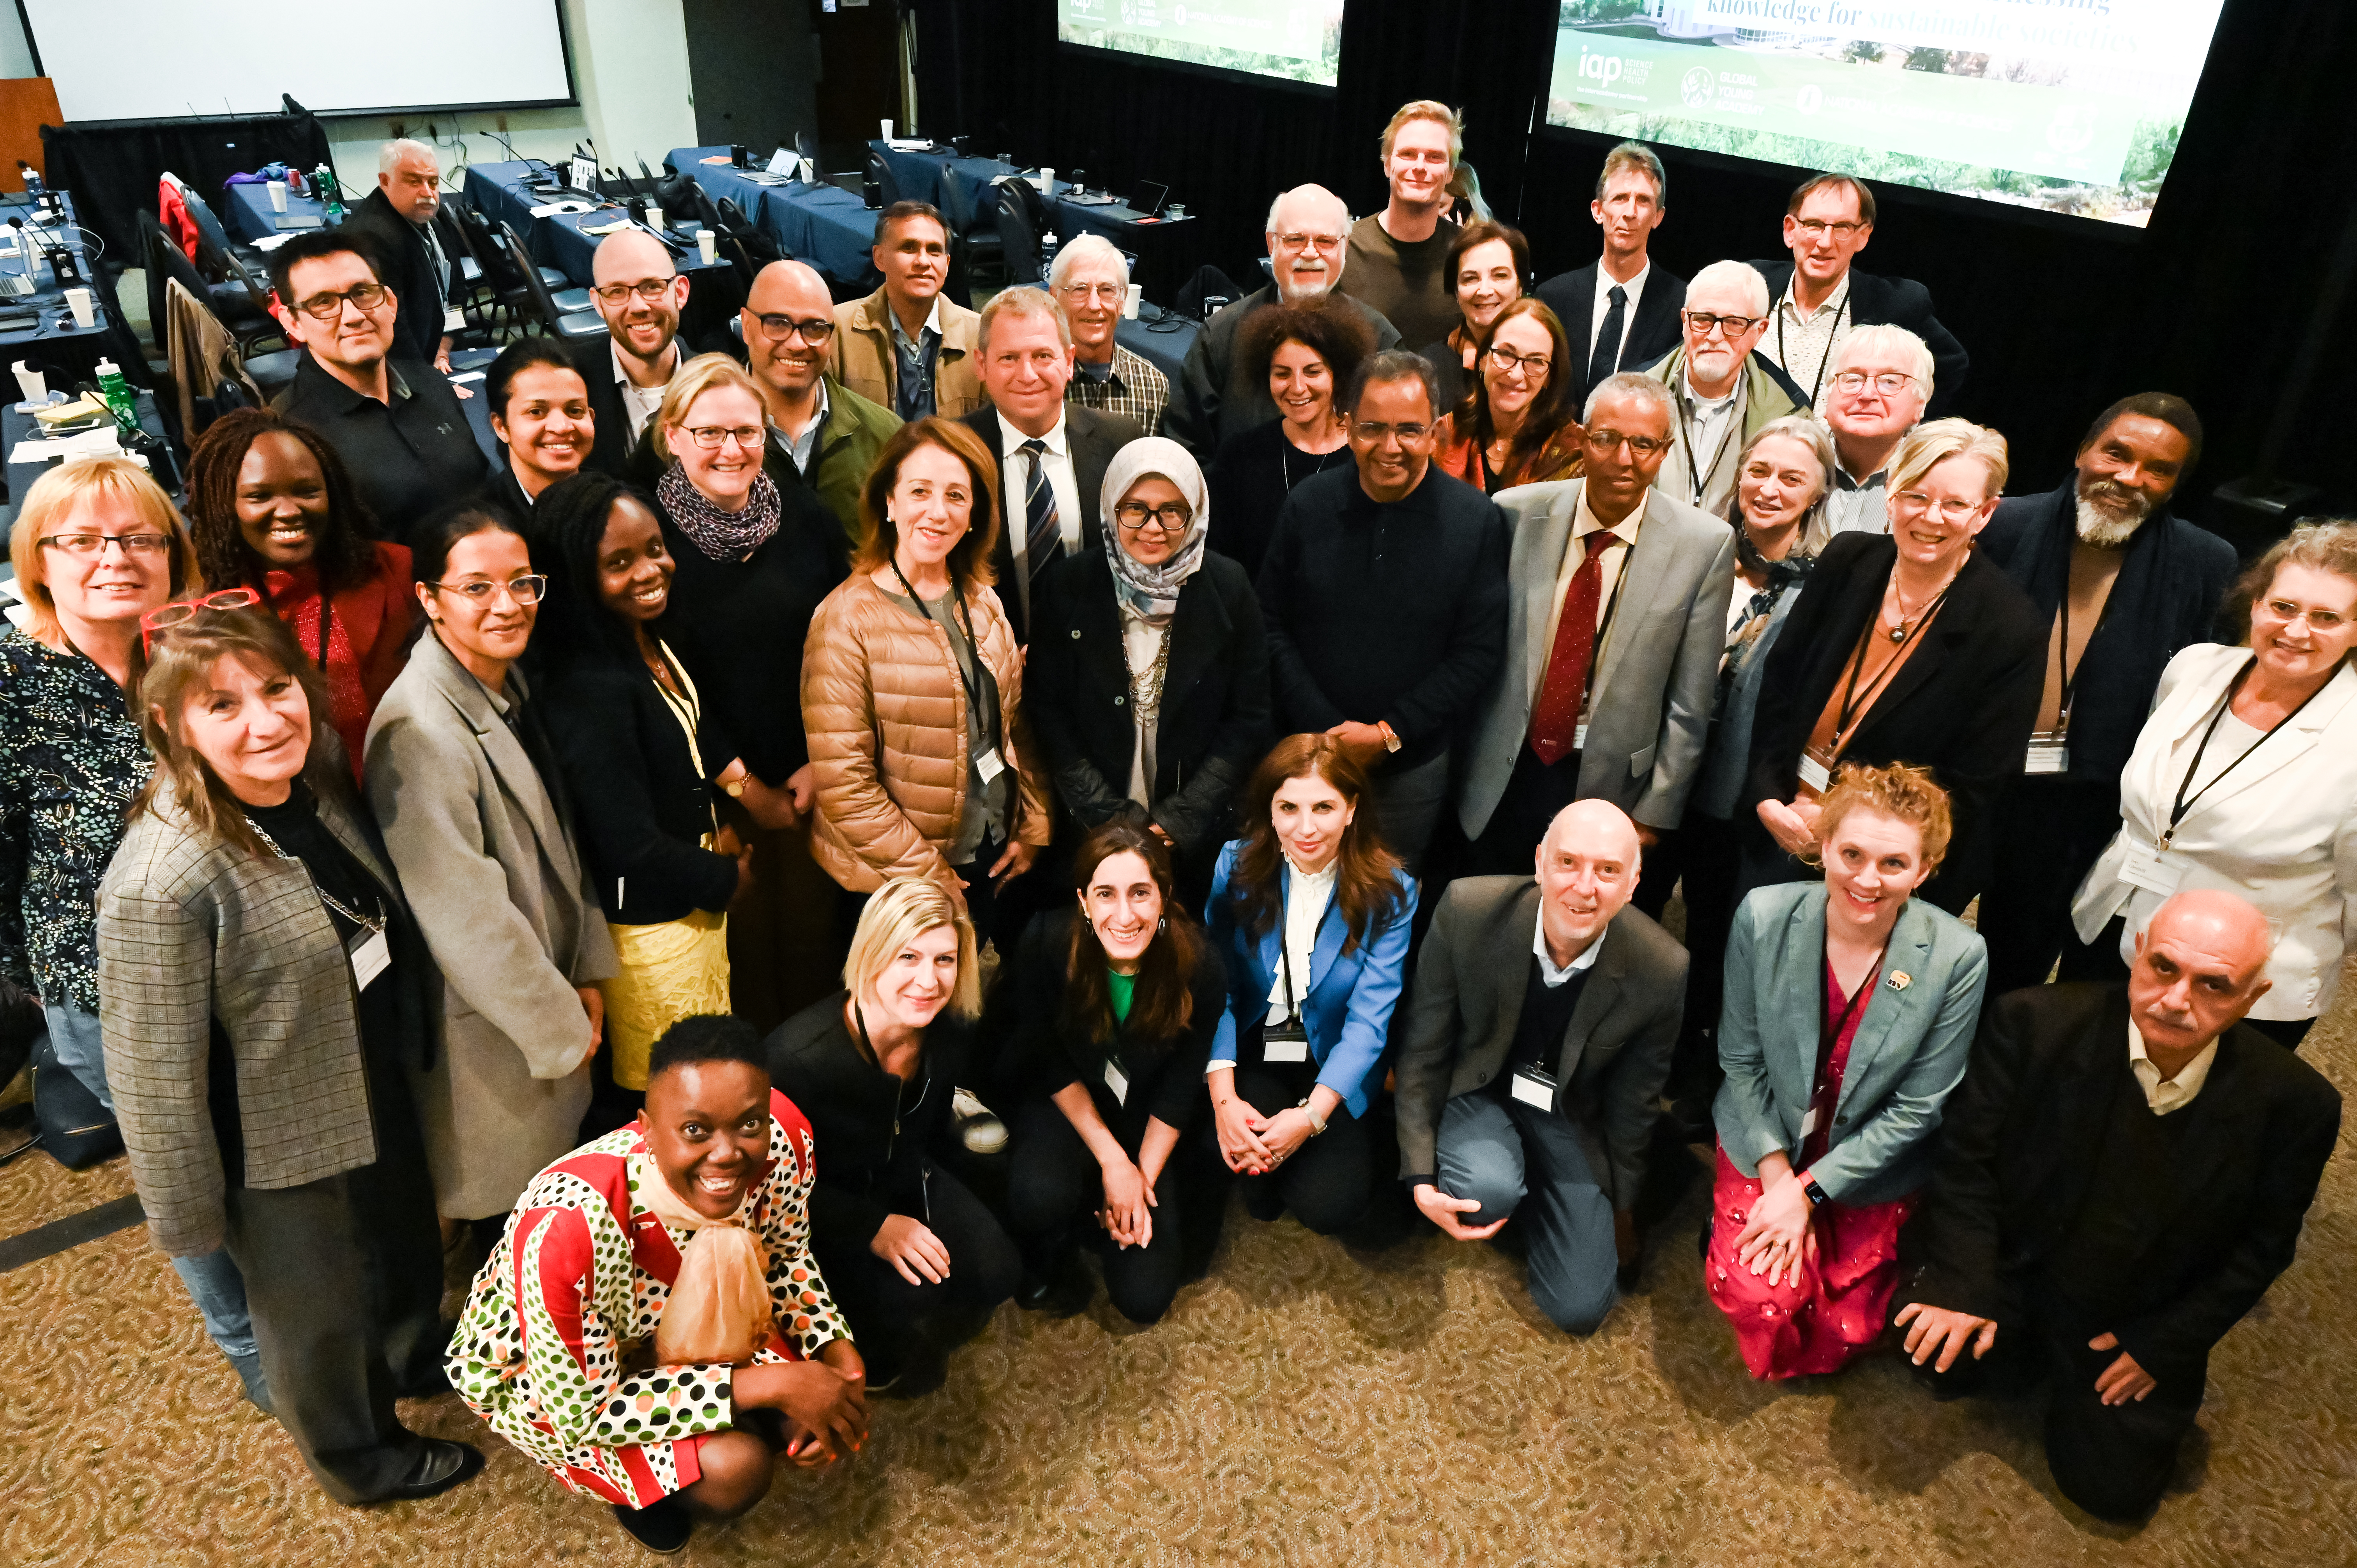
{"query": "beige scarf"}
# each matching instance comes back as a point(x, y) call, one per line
point(719, 1312)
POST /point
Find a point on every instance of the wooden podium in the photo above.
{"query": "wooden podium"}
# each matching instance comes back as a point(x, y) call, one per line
point(27, 104)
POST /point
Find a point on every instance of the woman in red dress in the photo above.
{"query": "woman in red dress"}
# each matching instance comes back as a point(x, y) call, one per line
point(1849, 1013)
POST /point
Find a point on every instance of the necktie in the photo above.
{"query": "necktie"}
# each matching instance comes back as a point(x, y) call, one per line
point(1554, 717)
point(1043, 536)
point(1606, 358)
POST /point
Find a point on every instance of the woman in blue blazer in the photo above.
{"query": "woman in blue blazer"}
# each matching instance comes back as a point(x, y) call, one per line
point(1849, 1012)
point(1310, 912)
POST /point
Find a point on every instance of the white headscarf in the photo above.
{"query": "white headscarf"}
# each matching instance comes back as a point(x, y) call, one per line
point(1152, 592)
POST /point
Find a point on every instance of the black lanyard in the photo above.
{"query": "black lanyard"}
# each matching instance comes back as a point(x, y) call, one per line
point(1611, 605)
point(1819, 384)
point(1829, 1030)
point(2064, 667)
point(1853, 704)
point(1695, 475)
point(1293, 998)
point(987, 722)
point(327, 620)
point(2177, 813)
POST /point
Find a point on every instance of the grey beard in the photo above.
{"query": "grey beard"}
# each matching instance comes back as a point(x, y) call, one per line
point(2104, 531)
point(1288, 293)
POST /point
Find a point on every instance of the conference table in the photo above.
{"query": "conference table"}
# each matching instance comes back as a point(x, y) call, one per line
point(39, 326)
point(246, 212)
point(502, 192)
point(17, 426)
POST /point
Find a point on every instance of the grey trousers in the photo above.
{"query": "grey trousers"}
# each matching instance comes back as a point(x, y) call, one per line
point(1517, 1159)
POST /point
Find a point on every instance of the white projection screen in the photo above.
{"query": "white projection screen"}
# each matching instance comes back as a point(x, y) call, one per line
point(152, 60)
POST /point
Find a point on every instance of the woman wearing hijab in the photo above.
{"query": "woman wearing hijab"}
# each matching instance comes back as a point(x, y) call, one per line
point(1148, 670)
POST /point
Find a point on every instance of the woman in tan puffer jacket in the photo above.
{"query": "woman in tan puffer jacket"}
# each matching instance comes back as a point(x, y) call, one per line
point(912, 686)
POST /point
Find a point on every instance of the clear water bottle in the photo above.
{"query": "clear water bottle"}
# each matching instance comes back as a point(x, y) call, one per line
point(120, 401)
point(1047, 252)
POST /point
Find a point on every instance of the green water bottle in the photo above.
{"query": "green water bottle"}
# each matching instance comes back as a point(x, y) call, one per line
point(120, 399)
point(330, 195)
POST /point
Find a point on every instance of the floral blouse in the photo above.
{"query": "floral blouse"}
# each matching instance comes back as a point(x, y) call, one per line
point(71, 757)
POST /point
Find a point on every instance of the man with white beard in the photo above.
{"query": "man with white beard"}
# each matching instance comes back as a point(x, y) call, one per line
point(1216, 396)
point(2126, 584)
point(1720, 390)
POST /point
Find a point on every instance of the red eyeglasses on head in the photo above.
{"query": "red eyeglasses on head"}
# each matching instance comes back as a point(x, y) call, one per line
point(163, 617)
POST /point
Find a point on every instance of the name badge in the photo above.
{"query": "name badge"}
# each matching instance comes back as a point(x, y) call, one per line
point(988, 764)
point(1579, 736)
point(1532, 1087)
point(454, 320)
point(1808, 1120)
point(1814, 774)
point(2047, 756)
point(1283, 1043)
point(372, 955)
point(2154, 869)
point(1118, 1081)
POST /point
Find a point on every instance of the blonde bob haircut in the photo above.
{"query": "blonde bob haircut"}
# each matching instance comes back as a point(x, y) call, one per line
point(1440, 114)
point(57, 494)
point(698, 376)
point(1900, 790)
point(898, 913)
point(1927, 445)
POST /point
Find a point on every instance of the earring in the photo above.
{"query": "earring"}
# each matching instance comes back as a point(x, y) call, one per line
point(1163, 924)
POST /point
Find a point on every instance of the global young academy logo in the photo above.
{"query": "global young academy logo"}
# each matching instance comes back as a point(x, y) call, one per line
point(1697, 87)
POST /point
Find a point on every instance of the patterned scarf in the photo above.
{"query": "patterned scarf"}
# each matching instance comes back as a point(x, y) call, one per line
point(1151, 592)
point(722, 535)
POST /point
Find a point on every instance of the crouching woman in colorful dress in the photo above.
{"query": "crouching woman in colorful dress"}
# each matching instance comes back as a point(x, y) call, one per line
point(652, 1326)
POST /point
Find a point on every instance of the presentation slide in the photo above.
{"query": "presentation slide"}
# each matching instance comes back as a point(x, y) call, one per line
point(1297, 40)
point(2069, 106)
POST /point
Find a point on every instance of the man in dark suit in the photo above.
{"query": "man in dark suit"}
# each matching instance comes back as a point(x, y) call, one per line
point(1820, 296)
point(1621, 312)
point(2103, 1215)
point(1538, 1038)
point(416, 247)
point(1052, 454)
point(2124, 584)
point(639, 291)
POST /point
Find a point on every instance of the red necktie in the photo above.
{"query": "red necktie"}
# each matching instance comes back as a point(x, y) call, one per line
point(1554, 717)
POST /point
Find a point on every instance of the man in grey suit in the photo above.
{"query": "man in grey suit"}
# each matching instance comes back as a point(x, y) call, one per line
point(1528, 1078)
point(1616, 620)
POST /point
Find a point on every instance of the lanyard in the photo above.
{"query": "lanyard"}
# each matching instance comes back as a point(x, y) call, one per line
point(1696, 476)
point(900, 1086)
point(1829, 1031)
point(327, 620)
point(989, 722)
point(2064, 667)
point(2177, 813)
point(1827, 358)
point(367, 923)
point(1853, 703)
point(1293, 998)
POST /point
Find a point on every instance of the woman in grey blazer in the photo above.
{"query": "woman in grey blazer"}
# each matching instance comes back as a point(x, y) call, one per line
point(1850, 1010)
point(261, 990)
point(465, 788)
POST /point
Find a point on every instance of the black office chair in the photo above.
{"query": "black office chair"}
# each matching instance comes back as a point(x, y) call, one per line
point(879, 171)
point(232, 303)
point(1022, 216)
point(555, 317)
point(210, 231)
point(564, 296)
point(976, 253)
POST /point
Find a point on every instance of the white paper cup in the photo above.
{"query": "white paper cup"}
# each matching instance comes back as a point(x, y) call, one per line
point(277, 196)
point(707, 246)
point(1047, 182)
point(32, 383)
point(85, 310)
point(655, 218)
point(1129, 306)
point(887, 129)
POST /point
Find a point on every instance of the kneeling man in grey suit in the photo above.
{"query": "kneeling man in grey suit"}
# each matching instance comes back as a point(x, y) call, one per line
point(1544, 1013)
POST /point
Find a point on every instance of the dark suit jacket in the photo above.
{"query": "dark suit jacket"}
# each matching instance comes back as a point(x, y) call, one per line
point(1216, 396)
point(1962, 705)
point(2016, 1153)
point(1901, 301)
point(1094, 437)
point(1572, 297)
point(405, 266)
point(2170, 589)
point(611, 453)
point(1214, 723)
point(1467, 1001)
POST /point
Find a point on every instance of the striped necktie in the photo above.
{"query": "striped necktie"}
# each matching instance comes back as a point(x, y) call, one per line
point(1043, 535)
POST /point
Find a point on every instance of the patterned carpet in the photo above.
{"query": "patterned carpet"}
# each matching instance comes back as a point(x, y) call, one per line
point(1302, 1405)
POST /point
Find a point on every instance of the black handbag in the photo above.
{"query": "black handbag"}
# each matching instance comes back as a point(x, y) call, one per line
point(76, 1129)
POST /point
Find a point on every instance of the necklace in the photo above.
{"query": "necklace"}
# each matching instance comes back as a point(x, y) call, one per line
point(1898, 632)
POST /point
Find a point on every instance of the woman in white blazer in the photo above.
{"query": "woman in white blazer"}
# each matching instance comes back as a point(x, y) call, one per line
point(2244, 777)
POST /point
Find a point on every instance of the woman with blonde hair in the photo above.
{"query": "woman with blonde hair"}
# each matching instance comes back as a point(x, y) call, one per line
point(1849, 1014)
point(917, 1263)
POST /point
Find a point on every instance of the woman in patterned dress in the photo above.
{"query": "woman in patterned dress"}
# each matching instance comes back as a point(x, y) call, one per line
point(697, 1212)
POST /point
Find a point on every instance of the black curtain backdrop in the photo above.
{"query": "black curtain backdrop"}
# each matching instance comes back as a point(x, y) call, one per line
point(2237, 297)
point(112, 169)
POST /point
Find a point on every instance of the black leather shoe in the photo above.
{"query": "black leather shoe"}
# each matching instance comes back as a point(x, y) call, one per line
point(442, 1467)
point(1062, 1291)
point(662, 1527)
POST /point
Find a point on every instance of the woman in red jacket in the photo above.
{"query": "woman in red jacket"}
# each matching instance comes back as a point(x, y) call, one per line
point(271, 509)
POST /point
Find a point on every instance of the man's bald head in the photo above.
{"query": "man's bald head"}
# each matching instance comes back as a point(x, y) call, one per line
point(2201, 965)
point(641, 294)
point(1306, 228)
point(791, 287)
point(1586, 871)
point(787, 305)
point(627, 255)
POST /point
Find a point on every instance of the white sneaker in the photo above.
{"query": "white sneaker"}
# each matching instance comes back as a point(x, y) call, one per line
point(978, 1126)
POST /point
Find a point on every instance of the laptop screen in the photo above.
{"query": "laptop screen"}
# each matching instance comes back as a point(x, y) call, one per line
point(1149, 199)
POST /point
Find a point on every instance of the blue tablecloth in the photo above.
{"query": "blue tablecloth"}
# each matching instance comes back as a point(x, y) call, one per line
point(68, 347)
point(502, 193)
point(246, 213)
point(822, 224)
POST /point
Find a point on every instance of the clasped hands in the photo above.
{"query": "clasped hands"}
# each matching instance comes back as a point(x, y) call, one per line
point(1777, 1239)
point(1254, 1144)
point(823, 1402)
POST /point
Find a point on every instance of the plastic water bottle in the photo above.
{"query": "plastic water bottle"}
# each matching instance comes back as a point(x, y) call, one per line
point(1047, 250)
point(120, 399)
point(330, 195)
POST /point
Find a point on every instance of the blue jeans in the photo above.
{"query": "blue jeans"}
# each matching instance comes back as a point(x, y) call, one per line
point(213, 1282)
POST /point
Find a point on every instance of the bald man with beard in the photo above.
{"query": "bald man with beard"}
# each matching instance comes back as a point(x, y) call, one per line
point(1544, 1013)
point(639, 291)
point(2121, 1176)
point(829, 434)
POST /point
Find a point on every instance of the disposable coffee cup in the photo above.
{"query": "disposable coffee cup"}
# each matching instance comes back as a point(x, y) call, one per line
point(655, 218)
point(707, 246)
point(887, 129)
point(85, 311)
point(1047, 182)
point(278, 195)
point(32, 383)
point(1129, 306)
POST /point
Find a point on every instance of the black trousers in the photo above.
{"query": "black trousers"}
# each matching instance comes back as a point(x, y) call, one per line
point(980, 900)
point(1330, 1178)
point(1535, 791)
point(887, 1314)
point(2112, 1460)
point(1705, 856)
point(2049, 830)
point(1055, 1188)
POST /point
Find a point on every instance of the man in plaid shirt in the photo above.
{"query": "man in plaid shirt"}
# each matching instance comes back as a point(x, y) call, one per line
point(1091, 280)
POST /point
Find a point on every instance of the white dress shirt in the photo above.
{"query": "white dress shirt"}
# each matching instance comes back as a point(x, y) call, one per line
point(1549, 975)
point(1306, 894)
point(1605, 284)
point(803, 447)
point(639, 404)
point(1585, 523)
point(2168, 1094)
point(1015, 468)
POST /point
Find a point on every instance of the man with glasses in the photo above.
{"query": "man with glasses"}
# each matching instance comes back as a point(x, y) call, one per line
point(826, 434)
point(1399, 257)
point(395, 421)
point(1820, 299)
point(1217, 394)
point(1721, 389)
point(1881, 379)
point(1616, 619)
point(904, 346)
point(1091, 280)
point(417, 246)
point(641, 294)
point(1385, 595)
point(1621, 313)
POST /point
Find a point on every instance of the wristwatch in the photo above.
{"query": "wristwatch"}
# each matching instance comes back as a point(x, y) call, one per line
point(1815, 1194)
point(1317, 1122)
point(734, 788)
point(1392, 741)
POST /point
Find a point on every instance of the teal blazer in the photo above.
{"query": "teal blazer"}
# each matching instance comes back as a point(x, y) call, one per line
point(1909, 1050)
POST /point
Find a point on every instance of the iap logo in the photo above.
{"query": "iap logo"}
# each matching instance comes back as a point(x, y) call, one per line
point(1602, 69)
point(1697, 87)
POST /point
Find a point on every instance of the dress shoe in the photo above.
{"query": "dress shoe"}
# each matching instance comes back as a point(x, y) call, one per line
point(1063, 1291)
point(662, 1527)
point(978, 1126)
point(440, 1467)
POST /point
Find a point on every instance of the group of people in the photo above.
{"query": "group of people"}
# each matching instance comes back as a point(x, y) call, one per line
point(599, 853)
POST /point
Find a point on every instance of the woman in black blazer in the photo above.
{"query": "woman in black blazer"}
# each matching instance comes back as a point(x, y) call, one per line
point(1148, 670)
point(1904, 647)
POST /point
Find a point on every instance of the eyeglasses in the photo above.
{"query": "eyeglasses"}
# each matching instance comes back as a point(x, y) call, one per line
point(1604, 443)
point(480, 591)
point(645, 289)
point(1105, 293)
point(814, 331)
point(1172, 518)
point(1506, 361)
point(1817, 228)
point(1889, 382)
point(710, 436)
point(2288, 611)
point(1303, 242)
point(1373, 432)
point(1952, 509)
point(368, 296)
point(163, 617)
point(1701, 323)
point(96, 543)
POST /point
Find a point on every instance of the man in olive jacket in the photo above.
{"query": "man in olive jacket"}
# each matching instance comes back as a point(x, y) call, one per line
point(830, 434)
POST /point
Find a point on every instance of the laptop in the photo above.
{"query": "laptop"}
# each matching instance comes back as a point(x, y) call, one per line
point(1149, 199)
